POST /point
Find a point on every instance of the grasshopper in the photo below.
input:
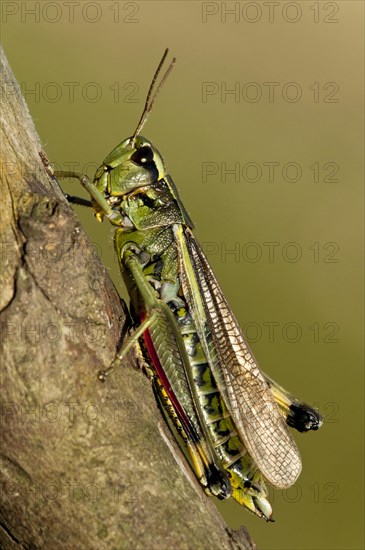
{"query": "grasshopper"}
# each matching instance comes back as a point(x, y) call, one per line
point(232, 417)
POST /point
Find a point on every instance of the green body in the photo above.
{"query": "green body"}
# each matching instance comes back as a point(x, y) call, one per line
point(155, 212)
point(232, 417)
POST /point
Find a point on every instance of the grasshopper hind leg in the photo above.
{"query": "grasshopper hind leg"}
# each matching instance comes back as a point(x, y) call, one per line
point(209, 476)
point(297, 414)
point(126, 346)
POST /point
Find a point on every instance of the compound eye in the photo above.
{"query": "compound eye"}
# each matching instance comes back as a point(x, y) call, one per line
point(143, 156)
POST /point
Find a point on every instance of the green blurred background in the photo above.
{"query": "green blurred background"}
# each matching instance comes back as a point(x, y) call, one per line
point(298, 186)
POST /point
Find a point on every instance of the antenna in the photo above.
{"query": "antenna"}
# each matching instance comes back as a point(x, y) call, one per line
point(151, 98)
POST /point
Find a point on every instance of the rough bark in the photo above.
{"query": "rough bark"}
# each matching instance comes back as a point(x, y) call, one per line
point(82, 464)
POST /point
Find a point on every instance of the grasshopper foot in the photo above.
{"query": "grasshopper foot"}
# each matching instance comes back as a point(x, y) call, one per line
point(102, 375)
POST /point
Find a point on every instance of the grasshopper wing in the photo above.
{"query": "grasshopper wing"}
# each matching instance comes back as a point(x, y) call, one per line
point(248, 398)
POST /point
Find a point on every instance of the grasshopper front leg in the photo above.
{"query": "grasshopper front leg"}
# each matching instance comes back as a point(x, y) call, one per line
point(99, 202)
point(52, 174)
point(73, 199)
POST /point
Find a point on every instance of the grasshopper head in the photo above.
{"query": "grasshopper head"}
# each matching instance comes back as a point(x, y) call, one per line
point(133, 163)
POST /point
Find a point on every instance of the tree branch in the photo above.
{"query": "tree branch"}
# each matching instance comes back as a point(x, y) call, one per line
point(82, 464)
